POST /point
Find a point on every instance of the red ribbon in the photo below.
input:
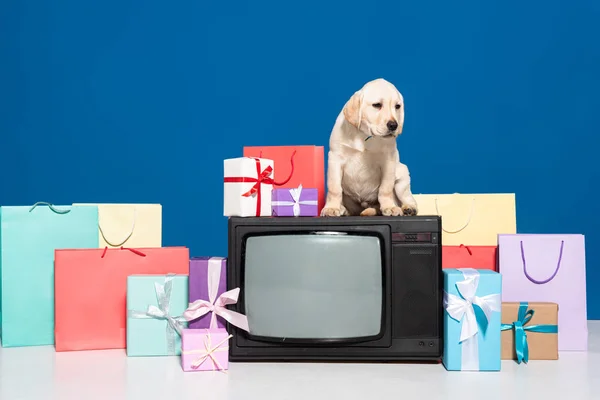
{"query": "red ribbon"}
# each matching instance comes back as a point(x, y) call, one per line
point(262, 177)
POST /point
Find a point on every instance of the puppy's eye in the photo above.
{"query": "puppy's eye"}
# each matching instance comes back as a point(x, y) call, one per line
point(377, 105)
point(398, 106)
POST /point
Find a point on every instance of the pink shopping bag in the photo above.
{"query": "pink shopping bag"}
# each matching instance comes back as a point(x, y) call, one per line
point(548, 268)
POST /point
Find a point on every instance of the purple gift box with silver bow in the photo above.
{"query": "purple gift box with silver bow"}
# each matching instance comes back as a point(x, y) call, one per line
point(206, 275)
point(296, 202)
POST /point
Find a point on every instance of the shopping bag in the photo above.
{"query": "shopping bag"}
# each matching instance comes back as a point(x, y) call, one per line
point(548, 268)
point(28, 237)
point(130, 225)
point(477, 257)
point(91, 287)
point(307, 169)
point(471, 219)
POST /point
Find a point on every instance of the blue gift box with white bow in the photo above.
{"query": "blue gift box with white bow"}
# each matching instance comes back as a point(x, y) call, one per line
point(472, 320)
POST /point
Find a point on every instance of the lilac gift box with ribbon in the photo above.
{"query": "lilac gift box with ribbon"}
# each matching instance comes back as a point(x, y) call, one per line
point(296, 202)
point(208, 298)
point(205, 349)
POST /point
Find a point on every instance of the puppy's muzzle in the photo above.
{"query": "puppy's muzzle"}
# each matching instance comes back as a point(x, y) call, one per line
point(392, 125)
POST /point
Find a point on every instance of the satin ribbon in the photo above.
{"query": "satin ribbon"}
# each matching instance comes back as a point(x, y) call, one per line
point(163, 296)
point(296, 202)
point(216, 305)
point(523, 318)
point(461, 309)
point(208, 352)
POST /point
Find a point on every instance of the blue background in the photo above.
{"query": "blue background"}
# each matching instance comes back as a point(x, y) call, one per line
point(140, 101)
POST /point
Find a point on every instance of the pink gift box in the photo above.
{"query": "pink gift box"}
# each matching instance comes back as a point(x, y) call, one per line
point(205, 349)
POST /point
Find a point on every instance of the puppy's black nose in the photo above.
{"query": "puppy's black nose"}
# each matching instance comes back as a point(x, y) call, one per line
point(392, 125)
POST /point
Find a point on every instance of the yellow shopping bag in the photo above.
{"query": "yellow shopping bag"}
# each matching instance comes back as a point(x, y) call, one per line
point(471, 219)
point(129, 225)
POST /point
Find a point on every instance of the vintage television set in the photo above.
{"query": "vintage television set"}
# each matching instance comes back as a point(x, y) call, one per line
point(337, 289)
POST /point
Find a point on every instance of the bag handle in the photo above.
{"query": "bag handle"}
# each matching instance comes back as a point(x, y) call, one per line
point(560, 254)
point(291, 172)
point(50, 206)
point(468, 249)
point(466, 223)
point(134, 251)
point(126, 238)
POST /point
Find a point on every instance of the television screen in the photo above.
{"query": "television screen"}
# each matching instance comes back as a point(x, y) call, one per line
point(313, 286)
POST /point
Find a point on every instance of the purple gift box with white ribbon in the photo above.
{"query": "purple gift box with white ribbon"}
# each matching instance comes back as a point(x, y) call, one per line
point(295, 202)
point(208, 298)
point(207, 281)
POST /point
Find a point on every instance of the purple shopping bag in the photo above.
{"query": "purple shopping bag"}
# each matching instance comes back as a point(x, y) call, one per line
point(548, 268)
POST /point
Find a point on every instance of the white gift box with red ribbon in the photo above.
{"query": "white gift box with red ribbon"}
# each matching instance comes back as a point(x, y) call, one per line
point(248, 185)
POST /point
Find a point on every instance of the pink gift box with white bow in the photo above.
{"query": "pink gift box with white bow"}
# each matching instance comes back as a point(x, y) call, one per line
point(205, 349)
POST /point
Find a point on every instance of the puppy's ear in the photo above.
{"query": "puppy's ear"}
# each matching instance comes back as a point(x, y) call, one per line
point(352, 109)
point(401, 120)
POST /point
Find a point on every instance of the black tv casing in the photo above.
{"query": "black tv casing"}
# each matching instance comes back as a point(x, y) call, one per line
point(411, 328)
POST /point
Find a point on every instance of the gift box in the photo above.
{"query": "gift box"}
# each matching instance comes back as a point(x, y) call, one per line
point(130, 225)
point(28, 237)
point(548, 268)
point(248, 184)
point(205, 349)
point(471, 219)
point(529, 331)
point(307, 169)
point(472, 304)
point(477, 257)
point(155, 306)
point(295, 202)
point(208, 281)
point(208, 298)
point(91, 292)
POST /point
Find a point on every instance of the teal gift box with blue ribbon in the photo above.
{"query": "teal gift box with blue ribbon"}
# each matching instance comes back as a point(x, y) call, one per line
point(472, 320)
point(155, 307)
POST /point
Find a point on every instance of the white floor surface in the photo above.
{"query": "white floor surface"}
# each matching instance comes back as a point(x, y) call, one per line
point(38, 373)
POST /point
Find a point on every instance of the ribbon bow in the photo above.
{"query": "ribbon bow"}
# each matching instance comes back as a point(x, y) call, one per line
point(163, 296)
point(208, 352)
point(215, 305)
point(263, 177)
point(296, 202)
point(461, 309)
point(523, 318)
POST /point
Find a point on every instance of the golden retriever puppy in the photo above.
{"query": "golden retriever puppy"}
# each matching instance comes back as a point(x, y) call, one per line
point(365, 175)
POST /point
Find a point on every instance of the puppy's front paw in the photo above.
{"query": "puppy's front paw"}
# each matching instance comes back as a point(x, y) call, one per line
point(392, 211)
point(409, 210)
point(331, 212)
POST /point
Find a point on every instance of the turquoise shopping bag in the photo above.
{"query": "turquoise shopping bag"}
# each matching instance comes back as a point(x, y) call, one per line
point(28, 237)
